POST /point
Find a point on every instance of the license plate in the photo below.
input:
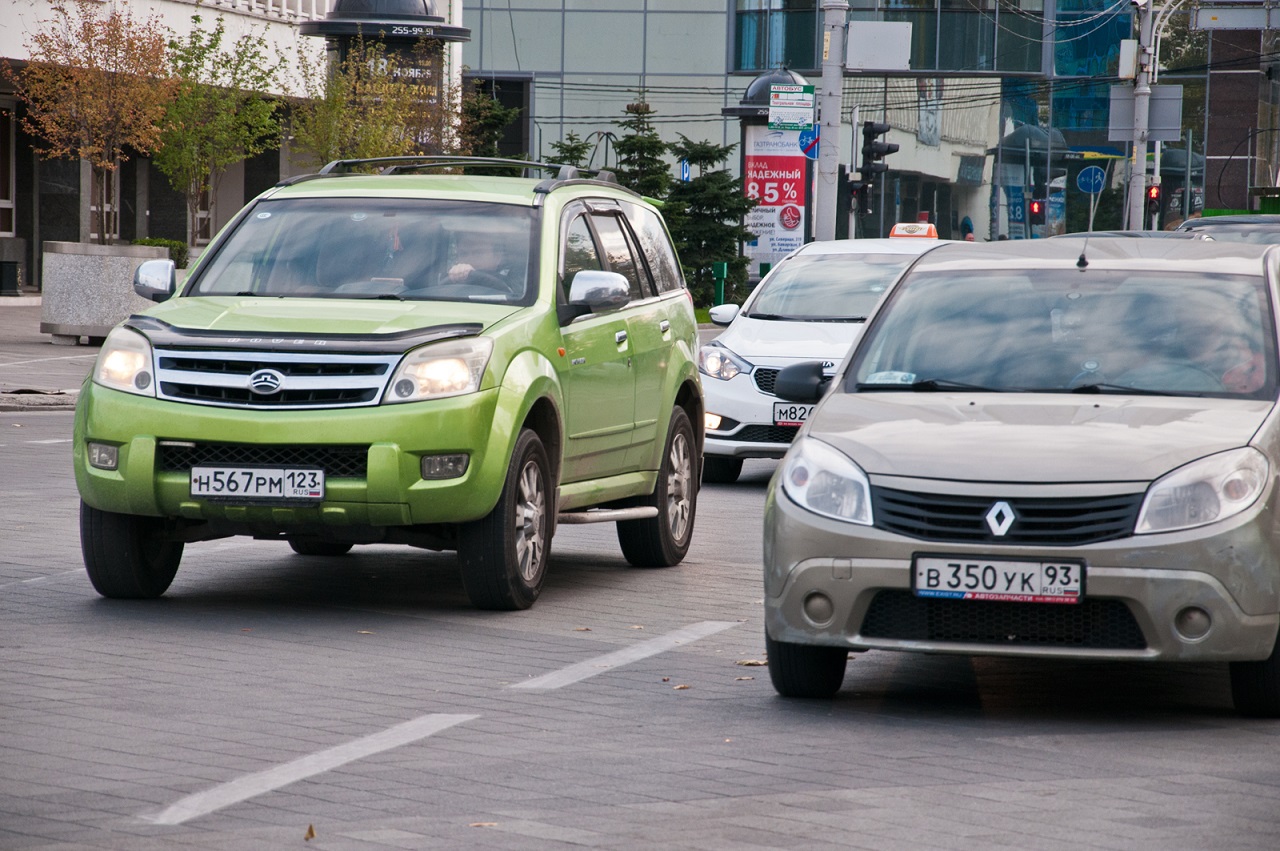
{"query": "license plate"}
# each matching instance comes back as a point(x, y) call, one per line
point(785, 413)
point(1004, 580)
point(258, 483)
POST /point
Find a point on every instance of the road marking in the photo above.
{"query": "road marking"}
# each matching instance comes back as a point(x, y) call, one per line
point(41, 578)
point(55, 440)
point(46, 360)
point(252, 785)
point(645, 649)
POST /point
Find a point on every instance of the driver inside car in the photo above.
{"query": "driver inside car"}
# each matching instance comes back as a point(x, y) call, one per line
point(481, 260)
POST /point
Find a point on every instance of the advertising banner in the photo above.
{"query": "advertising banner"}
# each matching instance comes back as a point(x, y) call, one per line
point(775, 173)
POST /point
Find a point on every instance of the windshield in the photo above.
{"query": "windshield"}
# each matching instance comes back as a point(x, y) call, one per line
point(827, 287)
point(394, 248)
point(1064, 330)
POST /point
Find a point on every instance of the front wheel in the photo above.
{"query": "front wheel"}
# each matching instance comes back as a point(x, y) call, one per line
point(1255, 686)
point(805, 670)
point(126, 556)
point(662, 541)
point(504, 554)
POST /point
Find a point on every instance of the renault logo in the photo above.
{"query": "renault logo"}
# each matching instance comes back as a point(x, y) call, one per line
point(264, 382)
point(1000, 517)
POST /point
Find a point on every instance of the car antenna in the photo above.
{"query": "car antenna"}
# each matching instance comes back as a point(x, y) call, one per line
point(1082, 262)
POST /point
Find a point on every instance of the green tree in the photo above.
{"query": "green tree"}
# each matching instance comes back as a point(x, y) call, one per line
point(96, 87)
point(356, 108)
point(705, 218)
point(640, 151)
point(219, 115)
point(484, 120)
point(572, 150)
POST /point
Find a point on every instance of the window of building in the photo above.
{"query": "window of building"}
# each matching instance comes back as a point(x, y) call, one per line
point(8, 169)
point(774, 33)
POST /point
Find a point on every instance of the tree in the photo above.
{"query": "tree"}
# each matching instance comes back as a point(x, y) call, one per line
point(219, 115)
point(572, 150)
point(484, 119)
point(705, 217)
point(96, 88)
point(640, 151)
point(357, 107)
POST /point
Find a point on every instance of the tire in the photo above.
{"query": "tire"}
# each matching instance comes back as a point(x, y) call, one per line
point(662, 541)
point(803, 670)
point(719, 470)
point(126, 556)
point(1255, 686)
point(314, 547)
point(504, 555)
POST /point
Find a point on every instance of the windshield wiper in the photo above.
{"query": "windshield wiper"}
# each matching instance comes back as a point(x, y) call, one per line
point(1105, 387)
point(930, 385)
point(778, 317)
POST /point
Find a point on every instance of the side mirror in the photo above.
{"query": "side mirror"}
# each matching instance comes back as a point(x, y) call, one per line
point(155, 280)
point(599, 291)
point(801, 382)
point(723, 314)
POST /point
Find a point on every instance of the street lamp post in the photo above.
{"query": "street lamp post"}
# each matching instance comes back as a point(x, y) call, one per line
point(1136, 218)
point(834, 26)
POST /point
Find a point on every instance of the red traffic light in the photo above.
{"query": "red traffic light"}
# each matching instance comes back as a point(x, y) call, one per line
point(1153, 192)
point(1037, 207)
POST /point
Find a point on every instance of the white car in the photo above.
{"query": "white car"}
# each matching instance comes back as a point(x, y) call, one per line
point(811, 306)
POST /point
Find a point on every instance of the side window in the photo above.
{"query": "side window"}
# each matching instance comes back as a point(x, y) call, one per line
point(656, 247)
point(617, 251)
point(579, 252)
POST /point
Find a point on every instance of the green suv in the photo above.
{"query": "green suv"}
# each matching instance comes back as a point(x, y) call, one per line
point(427, 355)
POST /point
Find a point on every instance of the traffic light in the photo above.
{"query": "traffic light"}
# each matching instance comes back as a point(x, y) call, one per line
point(1153, 199)
point(1035, 212)
point(860, 197)
point(874, 151)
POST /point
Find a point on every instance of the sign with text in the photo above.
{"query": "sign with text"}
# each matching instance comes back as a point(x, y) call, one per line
point(775, 173)
point(790, 107)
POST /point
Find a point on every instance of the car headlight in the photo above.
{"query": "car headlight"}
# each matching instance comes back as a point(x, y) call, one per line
point(1204, 491)
point(125, 363)
point(827, 482)
point(718, 362)
point(441, 369)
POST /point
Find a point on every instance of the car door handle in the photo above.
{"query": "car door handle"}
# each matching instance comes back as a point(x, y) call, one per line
point(620, 337)
point(664, 326)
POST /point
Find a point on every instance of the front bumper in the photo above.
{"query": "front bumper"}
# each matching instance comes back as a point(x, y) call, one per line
point(747, 412)
point(390, 492)
point(838, 584)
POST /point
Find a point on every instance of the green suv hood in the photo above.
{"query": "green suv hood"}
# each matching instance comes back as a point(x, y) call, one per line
point(257, 315)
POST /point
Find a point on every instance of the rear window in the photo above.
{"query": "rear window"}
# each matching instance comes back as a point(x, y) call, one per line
point(1072, 331)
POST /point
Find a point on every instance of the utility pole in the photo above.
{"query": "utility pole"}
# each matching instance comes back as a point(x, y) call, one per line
point(835, 15)
point(1136, 218)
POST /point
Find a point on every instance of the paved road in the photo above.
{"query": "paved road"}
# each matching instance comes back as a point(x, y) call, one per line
point(269, 694)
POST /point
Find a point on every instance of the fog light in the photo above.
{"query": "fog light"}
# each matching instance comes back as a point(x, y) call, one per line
point(444, 466)
point(819, 608)
point(1192, 623)
point(711, 421)
point(104, 456)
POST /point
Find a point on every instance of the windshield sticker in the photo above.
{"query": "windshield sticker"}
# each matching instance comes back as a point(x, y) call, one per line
point(359, 217)
point(263, 216)
point(891, 377)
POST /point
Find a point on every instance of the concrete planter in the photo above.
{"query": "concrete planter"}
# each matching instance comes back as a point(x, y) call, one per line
point(87, 289)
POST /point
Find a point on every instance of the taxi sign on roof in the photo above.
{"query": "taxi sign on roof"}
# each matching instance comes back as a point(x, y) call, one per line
point(919, 230)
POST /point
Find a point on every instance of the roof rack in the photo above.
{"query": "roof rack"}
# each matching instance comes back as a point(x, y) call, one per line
point(412, 163)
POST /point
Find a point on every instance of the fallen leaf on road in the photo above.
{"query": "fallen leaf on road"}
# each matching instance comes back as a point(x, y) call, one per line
point(246, 629)
point(582, 629)
point(364, 632)
point(744, 678)
point(680, 687)
point(666, 679)
point(483, 824)
point(637, 626)
point(311, 833)
point(752, 663)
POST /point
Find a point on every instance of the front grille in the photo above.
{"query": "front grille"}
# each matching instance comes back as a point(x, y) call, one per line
point(1092, 623)
point(339, 462)
point(310, 380)
point(764, 434)
point(1066, 521)
point(764, 378)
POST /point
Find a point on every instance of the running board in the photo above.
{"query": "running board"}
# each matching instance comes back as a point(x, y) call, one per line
point(607, 515)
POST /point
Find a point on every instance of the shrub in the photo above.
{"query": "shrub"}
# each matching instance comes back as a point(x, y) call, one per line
point(177, 249)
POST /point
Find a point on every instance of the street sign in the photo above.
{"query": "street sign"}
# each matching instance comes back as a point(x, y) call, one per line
point(790, 107)
point(809, 141)
point(684, 171)
point(1091, 180)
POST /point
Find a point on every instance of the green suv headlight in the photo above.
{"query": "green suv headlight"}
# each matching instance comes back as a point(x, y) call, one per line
point(125, 363)
point(825, 481)
point(1204, 491)
point(440, 369)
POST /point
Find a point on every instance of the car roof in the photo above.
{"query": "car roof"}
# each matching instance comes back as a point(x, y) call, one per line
point(1239, 219)
point(1157, 254)
point(900, 245)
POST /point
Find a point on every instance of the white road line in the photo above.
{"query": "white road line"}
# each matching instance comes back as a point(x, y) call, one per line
point(46, 360)
point(600, 664)
point(55, 440)
point(252, 785)
point(41, 578)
